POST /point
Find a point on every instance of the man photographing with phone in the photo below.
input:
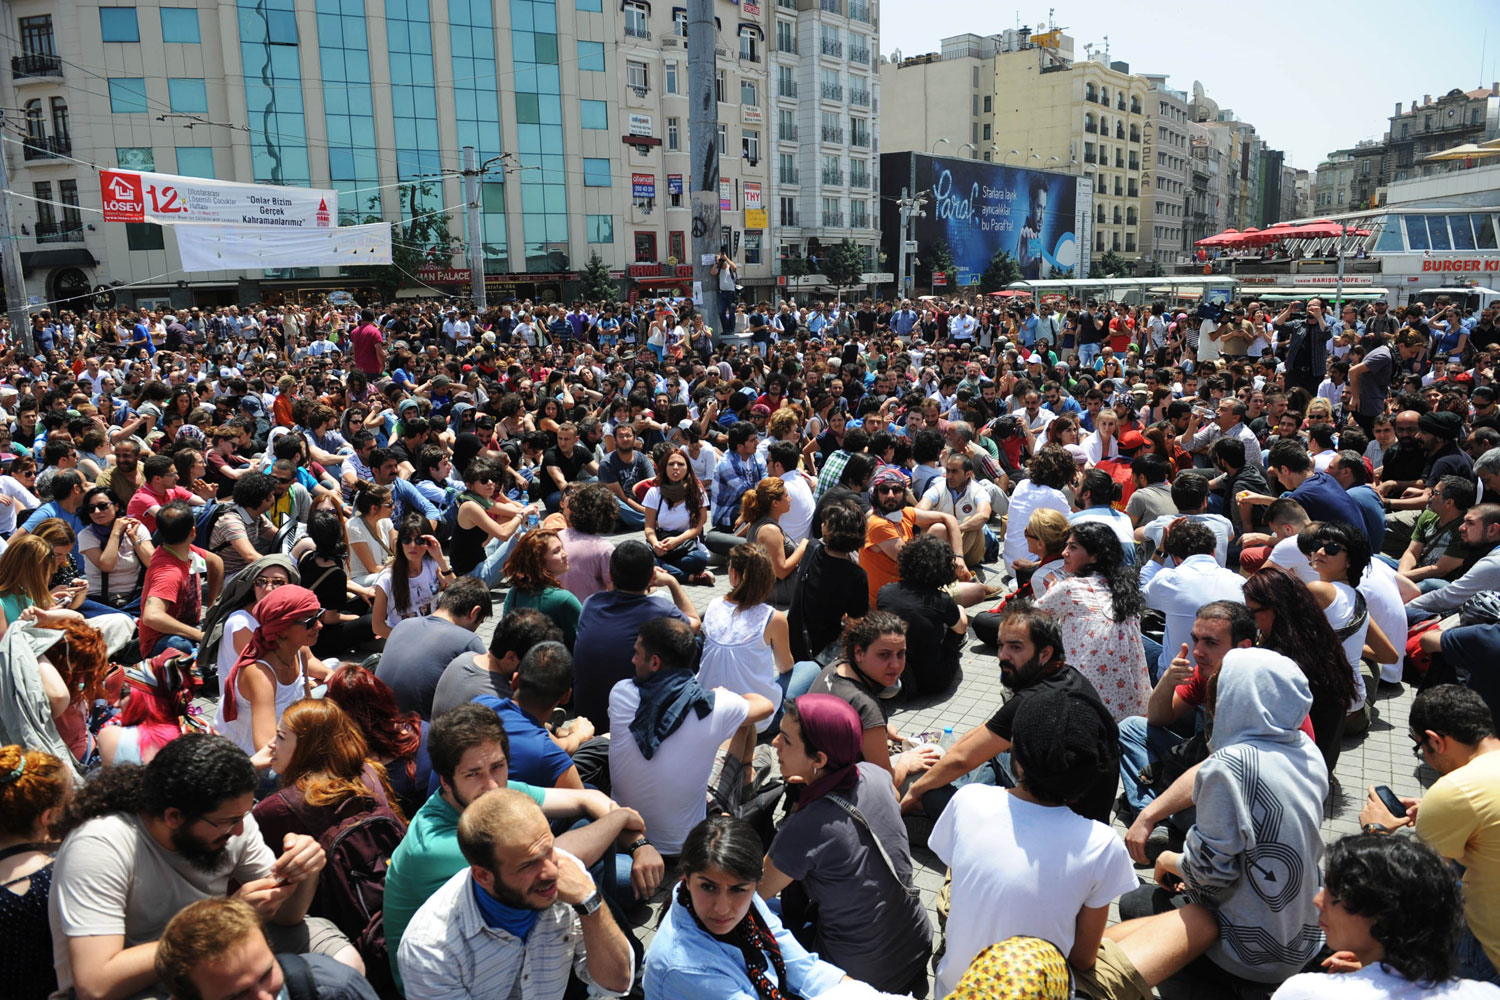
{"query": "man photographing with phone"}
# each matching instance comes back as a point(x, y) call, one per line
point(1453, 731)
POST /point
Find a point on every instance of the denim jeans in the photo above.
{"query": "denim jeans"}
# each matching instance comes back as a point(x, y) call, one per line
point(1473, 962)
point(1153, 658)
point(496, 551)
point(1142, 744)
point(995, 771)
point(633, 519)
point(177, 642)
point(794, 684)
point(690, 565)
point(1088, 352)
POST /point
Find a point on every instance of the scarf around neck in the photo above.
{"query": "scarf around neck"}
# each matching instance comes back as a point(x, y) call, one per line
point(666, 698)
point(756, 944)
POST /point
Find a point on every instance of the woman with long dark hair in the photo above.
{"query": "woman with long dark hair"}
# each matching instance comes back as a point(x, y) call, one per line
point(1340, 553)
point(396, 740)
point(346, 615)
point(676, 515)
point(760, 509)
point(718, 938)
point(1099, 609)
point(869, 920)
point(410, 586)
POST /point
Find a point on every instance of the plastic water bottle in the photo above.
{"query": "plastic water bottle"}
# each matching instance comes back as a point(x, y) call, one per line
point(947, 740)
point(532, 520)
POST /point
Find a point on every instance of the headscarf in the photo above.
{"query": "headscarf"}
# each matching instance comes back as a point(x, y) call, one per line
point(167, 678)
point(275, 615)
point(830, 725)
point(1018, 968)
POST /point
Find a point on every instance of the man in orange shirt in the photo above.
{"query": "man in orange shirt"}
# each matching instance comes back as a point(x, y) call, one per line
point(892, 524)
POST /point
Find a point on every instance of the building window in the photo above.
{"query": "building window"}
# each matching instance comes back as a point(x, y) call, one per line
point(593, 115)
point(677, 244)
point(195, 161)
point(749, 43)
point(61, 124)
point(637, 19)
point(747, 93)
point(135, 157)
point(788, 168)
point(594, 6)
point(723, 139)
point(645, 247)
point(987, 103)
point(67, 193)
point(752, 248)
point(674, 133)
point(786, 82)
point(127, 96)
point(750, 145)
point(601, 228)
point(187, 95)
point(986, 131)
point(46, 215)
point(595, 172)
point(180, 25)
point(144, 236)
point(591, 56)
point(671, 78)
point(786, 125)
point(786, 37)
point(637, 78)
point(36, 36)
point(788, 211)
point(118, 24)
point(721, 86)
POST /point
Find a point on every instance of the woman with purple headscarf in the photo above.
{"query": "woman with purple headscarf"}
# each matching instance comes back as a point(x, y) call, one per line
point(846, 846)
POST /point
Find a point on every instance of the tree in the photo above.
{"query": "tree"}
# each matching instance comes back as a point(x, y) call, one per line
point(1002, 270)
point(938, 259)
point(1109, 265)
point(597, 284)
point(794, 265)
point(843, 264)
point(420, 241)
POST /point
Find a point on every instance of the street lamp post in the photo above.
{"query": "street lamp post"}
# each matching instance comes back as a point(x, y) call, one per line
point(967, 145)
point(938, 143)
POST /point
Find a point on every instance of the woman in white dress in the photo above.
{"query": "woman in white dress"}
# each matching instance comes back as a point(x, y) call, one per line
point(746, 644)
point(370, 531)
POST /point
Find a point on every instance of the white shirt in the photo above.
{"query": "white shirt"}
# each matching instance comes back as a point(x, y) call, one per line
point(1374, 983)
point(796, 523)
point(1093, 447)
point(1217, 523)
point(1290, 558)
point(962, 327)
point(1179, 591)
point(448, 951)
point(1383, 600)
point(1020, 869)
point(669, 790)
point(1026, 498)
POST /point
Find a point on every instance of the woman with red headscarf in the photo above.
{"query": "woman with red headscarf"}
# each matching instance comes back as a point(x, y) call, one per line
point(156, 707)
point(846, 845)
point(272, 669)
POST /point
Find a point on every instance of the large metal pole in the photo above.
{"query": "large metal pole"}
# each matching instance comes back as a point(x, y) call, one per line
point(476, 229)
point(703, 149)
point(15, 280)
point(1338, 295)
point(905, 205)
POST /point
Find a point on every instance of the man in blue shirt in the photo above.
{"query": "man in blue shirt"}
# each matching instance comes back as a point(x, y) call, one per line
point(141, 333)
point(383, 466)
point(903, 319)
point(540, 755)
point(1318, 492)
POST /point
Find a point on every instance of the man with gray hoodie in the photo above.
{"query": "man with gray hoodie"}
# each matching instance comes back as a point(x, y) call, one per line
point(1251, 858)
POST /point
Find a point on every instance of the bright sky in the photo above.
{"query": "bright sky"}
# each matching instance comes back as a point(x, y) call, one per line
point(1310, 76)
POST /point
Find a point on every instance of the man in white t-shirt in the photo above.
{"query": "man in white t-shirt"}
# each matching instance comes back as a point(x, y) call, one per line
point(665, 729)
point(781, 461)
point(1023, 863)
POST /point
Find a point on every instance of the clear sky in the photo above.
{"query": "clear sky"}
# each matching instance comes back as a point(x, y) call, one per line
point(1310, 75)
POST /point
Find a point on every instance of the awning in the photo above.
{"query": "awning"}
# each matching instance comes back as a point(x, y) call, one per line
point(46, 260)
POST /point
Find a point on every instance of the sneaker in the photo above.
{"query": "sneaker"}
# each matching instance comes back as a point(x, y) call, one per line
point(1159, 840)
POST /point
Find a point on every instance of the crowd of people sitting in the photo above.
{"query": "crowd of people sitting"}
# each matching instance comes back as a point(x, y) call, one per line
point(252, 744)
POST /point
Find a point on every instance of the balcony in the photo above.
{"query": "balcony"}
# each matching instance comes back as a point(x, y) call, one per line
point(833, 92)
point(787, 4)
point(830, 47)
point(47, 147)
point(860, 56)
point(35, 64)
point(860, 139)
point(833, 178)
point(859, 222)
point(53, 232)
point(638, 89)
point(831, 6)
point(789, 219)
point(1090, 128)
point(1089, 158)
point(787, 133)
point(859, 181)
point(789, 177)
point(637, 31)
point(859, 12)
point(832, 133)
point(859, 98)
point(787, 88)
point(833, 220)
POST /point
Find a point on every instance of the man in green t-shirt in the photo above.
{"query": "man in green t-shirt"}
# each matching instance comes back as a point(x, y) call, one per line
point(470, 754)
point(1437, 553)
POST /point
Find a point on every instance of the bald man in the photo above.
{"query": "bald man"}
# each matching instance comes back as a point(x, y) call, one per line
point(520, 883)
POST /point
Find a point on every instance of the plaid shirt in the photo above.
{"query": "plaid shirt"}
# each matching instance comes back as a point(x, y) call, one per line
point(828, 476)
point(732, 478)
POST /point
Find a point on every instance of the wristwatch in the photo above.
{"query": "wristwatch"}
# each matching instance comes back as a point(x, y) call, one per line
point(589, 905)
point(1375, 828)
point(636, 846)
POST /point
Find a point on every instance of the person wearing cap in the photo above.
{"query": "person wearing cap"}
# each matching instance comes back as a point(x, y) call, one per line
point(1024, 864)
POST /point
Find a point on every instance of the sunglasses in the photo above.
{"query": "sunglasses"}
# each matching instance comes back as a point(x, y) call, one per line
point(890, 489)
point(284, 482)
point(311, 621)
point(269, 583)
point(96, 508)
point(1331, 548)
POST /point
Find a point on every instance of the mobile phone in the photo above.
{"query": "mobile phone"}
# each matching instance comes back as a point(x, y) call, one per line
point(1394, 804)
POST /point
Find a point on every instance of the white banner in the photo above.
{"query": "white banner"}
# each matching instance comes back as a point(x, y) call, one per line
point(167, 199)
point(219, 248)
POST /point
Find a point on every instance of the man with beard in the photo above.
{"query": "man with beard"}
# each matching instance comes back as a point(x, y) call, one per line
point(470, 754)
point(892, 524)
point(520, 882)
point(124, 479)
point(147, 841)
point(1030, 651)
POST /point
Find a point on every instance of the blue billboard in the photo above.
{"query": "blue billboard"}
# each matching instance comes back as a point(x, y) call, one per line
point(981, 208)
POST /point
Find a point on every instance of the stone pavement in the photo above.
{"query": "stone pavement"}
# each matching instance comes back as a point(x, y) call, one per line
point(1381, 756)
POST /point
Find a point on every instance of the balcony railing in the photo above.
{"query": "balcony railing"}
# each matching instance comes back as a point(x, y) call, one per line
point(787, 45)
point(859, 12)
point(831, 6)
point(834, 220)
point(787, 4)
point(787, 88)
point(47, 147)
point(637, 31)
point(860, 139)
point(787, 133)
point(789, 219)
point(859, 181)
point(859, 98)
point(35, 64)
point(859, 221)
point(789, 177)
point(833, 92)
point(831, 47)
point(832, 134)
point(1089, 158)
point(833, 178)
point(639, 89)
point(53, 232)
point(861, 56)
point(1091, 128)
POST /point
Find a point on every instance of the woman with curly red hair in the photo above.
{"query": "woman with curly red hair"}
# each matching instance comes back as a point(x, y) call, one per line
point(535, 570)
point(396, 739)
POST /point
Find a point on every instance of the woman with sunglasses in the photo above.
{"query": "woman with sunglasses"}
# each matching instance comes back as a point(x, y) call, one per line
point(116, 551)
point(487, 525)
point(16, 496)
point(271, 670)
point(370, 533)
point(409, 586)
point(1339, 554)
